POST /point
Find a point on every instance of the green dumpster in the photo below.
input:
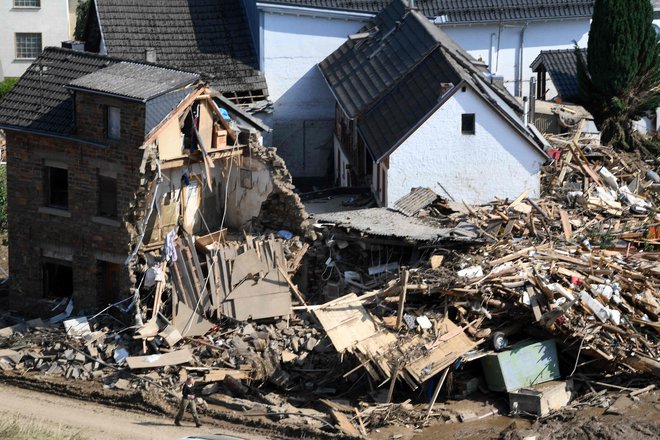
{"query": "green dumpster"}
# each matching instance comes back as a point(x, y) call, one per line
point(524, 364)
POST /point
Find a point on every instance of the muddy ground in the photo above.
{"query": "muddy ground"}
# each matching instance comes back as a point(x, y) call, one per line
point(633, 419)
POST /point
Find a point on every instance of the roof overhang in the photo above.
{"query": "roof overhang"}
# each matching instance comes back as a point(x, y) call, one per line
point(277, 8)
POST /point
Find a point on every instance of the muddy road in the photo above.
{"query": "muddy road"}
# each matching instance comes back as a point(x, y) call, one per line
point(95, 421)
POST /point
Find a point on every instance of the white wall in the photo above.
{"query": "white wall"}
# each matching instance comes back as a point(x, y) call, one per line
point(495, 161)
point(304, 109)
point(51, 20)
point(538, 36)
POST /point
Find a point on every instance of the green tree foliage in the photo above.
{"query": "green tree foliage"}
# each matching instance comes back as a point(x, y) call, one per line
point(7, 85)
point(81, 18)
point(620, 82)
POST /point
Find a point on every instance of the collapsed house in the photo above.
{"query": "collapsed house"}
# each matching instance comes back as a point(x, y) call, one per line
point(414, 109)
point(109, 160)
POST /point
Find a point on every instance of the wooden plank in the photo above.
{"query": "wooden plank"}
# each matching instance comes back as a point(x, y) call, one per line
point(217, 375)
point(344, 423)
point(160, 360)
point(566, 225)
point(436, 392)
point(534, 298)
point(261, 307)
point(345, 321)
point(293, 287)
point(190, 322)
point(402, 299)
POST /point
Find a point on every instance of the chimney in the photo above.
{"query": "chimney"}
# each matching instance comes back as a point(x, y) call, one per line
point(150, 55)
point(74, 45)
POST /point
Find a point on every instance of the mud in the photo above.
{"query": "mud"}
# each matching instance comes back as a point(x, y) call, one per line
point(153, 402)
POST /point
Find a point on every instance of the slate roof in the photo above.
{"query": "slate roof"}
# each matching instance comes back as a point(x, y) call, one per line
point(134, 81)
point(465, 11)
point(39, 101)
point(392, 80)
point(561, 65)
point(211, 37)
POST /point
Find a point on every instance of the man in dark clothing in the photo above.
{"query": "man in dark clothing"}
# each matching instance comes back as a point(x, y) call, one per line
point(188, 400)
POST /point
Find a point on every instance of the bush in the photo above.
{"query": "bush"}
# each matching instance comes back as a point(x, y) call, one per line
point(7, 85)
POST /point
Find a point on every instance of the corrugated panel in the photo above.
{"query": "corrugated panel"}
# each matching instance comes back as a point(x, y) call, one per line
point(418, 198)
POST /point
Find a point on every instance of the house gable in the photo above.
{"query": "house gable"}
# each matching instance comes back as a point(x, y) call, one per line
point(494, 161)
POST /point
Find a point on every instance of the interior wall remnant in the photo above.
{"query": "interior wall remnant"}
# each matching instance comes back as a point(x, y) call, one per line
point(283, 208)
point(248, 184)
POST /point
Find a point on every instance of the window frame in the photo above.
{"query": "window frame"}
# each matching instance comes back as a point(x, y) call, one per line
point(107, 185)
point(111, 110)
point(48, 188)
point(468, 123)
point(53, 272)
point(15, 4)
point(19, 50)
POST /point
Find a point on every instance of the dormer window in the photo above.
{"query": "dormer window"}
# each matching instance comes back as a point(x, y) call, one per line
point(113, 122)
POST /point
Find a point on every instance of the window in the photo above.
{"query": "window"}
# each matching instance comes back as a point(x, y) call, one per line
point(28, 46)
point(113, 122)
point(467, 123)
point(58, 279)
point(57, 187)
point(107, 196)
point(27, 3)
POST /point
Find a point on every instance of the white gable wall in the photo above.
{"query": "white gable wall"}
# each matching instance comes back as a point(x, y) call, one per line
point(303, 106)
point(496, 161)
point(481, 41)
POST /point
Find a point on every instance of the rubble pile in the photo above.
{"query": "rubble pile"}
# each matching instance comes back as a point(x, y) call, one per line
point(384, 324)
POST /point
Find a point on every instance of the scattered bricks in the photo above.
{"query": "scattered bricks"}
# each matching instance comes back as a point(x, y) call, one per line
point(310, 344)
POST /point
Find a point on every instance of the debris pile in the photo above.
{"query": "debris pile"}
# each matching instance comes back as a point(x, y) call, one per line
point(388, 321)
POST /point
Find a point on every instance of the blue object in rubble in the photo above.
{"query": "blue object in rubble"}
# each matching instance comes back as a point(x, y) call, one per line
point(224, 114)
point(287, 235)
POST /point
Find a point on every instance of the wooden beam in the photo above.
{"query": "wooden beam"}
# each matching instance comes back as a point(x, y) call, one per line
point(153, 134)
point(402, 299)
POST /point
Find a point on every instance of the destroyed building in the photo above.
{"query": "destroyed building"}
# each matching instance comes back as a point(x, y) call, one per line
point(106, 157)
point(414, 109)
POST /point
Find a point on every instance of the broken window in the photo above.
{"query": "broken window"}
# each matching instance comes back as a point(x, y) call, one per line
point(108, 281)
point(113, 122)
point(107, 197)
point(467, 123)
point(58, 279)
point(57, 187)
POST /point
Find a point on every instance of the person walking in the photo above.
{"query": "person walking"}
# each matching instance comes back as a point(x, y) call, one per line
point(188, 400)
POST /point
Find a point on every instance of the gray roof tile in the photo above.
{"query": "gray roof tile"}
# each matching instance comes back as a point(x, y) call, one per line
point(392, 80)
point(465, 11)
point(134, 81)
point(211, 37)
point(40, 101)
point(561, 65)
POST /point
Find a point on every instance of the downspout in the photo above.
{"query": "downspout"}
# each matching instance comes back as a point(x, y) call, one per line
point(520, 60)
point(491, 55)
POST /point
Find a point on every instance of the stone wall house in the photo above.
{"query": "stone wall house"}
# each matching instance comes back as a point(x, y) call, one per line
point(106, 157)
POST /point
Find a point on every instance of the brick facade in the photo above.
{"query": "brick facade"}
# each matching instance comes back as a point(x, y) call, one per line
point(77, 236)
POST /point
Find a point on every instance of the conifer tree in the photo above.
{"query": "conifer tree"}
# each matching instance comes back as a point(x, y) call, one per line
point(620, 81)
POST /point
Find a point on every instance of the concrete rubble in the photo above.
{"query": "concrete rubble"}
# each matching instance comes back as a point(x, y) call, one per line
point(317, 322)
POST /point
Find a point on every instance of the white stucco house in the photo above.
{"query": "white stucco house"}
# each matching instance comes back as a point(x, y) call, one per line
point(413, 109)
point(294, 35)
point(27, 26)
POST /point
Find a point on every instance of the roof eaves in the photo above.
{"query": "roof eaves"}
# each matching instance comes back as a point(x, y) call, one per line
point(52, 134)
